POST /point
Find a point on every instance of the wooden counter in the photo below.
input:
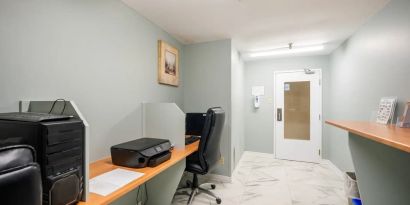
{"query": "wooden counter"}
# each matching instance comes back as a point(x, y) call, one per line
point(381, 156)
point(389, 135)
point(101, 166)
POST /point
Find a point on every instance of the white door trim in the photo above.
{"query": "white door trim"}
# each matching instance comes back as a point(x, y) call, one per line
point(275, 73)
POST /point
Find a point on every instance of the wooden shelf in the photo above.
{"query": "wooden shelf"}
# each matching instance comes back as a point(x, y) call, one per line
point(104, 165)
point(389, 135)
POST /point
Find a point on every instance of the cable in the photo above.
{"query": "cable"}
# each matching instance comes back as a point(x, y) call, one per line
point(138, 194)
point(146, 193)
point(54, 103)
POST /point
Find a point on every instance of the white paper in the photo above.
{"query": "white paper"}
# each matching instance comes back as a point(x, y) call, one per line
point(287, 86)
point(109, 182)
point(258, 90)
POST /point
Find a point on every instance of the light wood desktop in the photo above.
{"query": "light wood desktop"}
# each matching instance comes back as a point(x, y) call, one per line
point(381, 156)
point(390, 135)
point(105, 165)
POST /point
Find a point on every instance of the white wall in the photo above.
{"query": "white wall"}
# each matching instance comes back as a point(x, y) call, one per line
point(207, 83)
point(237, 99)
point(259, 122)
point(99, 53)
point(373, 63)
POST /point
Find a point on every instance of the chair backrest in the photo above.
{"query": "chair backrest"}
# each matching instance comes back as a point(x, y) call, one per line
point(20, 178)
point(209, 150)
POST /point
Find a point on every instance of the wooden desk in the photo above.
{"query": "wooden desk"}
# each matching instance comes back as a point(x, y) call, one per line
point(381, 159)
point(390, 135)
point(104, 165)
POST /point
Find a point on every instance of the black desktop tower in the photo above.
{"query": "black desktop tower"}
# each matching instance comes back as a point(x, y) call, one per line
point(59, 146)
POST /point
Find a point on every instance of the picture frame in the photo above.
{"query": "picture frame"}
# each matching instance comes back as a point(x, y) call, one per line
point(404, 120)
point(168, 64)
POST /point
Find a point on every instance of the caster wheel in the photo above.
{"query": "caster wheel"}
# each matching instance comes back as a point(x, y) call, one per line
point(213, 186)
point(218, 200)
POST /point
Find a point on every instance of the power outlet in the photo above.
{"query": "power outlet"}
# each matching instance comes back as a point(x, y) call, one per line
point(222, 160)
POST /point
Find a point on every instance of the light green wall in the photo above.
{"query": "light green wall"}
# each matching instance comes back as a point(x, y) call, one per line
point(238, 117)
point(382, 172)
point(103, 55)
point(373, 63)
point(259, 127)
point(99, 53)
point(207, 83)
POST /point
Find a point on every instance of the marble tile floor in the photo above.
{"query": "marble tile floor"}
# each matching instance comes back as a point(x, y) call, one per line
point(259, 179)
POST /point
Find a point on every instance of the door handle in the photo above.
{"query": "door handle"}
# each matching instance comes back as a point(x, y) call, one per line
point(279, 114)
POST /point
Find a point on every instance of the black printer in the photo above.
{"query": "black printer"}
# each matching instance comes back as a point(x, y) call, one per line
point(141, 153)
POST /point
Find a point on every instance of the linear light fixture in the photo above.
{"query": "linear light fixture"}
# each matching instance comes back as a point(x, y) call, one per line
point(290, 50)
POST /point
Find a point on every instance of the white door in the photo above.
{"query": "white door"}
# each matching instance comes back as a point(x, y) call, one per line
point(298, 123)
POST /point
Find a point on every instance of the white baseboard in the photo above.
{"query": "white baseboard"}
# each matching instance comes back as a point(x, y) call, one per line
point(259, 154)
point(339, 172)
point(207, 177)
point(220, 178)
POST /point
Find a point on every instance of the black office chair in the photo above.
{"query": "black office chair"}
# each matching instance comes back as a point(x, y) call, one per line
point(208, 154)
point(20, 178)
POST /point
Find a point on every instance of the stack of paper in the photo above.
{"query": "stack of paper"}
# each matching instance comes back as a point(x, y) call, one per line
point(109, 182)
point(386, 109)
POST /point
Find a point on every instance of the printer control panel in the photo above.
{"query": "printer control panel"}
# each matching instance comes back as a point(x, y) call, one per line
point(157, 149)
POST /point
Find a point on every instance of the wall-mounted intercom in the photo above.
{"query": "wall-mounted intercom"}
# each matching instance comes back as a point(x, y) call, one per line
point(257, 92)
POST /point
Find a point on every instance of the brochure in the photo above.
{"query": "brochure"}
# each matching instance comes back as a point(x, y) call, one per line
point(386, 109)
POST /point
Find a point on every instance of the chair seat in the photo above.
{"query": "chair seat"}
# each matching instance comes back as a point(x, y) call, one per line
point(193, 165)
point(195, 168)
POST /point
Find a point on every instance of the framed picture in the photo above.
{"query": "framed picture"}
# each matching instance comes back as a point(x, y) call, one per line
point(168, 67)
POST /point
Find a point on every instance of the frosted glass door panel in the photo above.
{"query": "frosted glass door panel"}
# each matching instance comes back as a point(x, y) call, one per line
point(297, 110)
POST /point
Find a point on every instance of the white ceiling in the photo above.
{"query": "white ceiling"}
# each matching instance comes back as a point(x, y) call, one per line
point(259, 24)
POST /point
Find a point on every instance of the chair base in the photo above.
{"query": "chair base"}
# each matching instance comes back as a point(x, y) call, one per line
point(195, 189)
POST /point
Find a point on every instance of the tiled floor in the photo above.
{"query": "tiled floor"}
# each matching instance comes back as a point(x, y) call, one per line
point(259, 179)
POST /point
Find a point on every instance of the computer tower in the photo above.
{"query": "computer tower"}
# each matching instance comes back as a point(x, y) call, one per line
point(59, 146)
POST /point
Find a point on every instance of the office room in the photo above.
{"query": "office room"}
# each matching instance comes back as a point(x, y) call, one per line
point(237, 102)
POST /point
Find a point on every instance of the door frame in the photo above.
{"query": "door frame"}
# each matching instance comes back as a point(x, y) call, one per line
point(275, 73)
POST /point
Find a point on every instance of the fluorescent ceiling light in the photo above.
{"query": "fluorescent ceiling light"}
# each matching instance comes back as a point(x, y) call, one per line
point(256, 50)
point(287, 51)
